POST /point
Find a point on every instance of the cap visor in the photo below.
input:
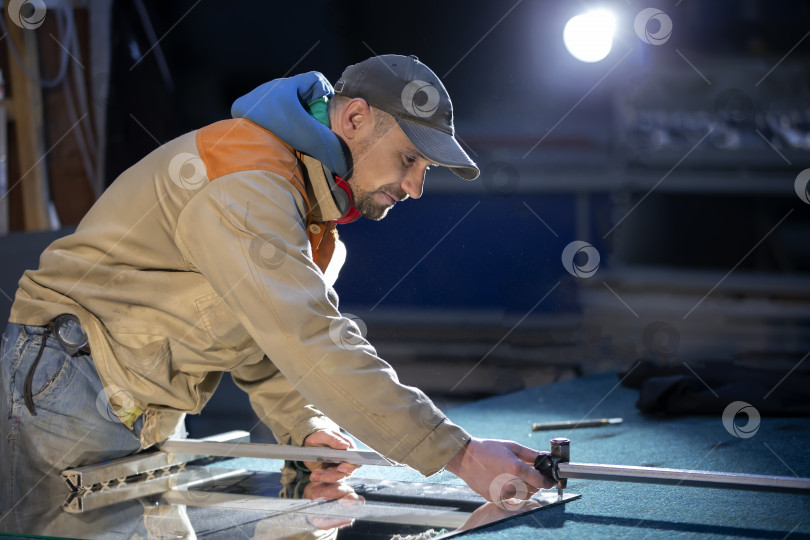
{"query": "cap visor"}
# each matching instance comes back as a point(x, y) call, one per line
point(440, 148)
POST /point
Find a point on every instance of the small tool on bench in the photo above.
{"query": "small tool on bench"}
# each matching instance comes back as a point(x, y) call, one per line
point(575, 424)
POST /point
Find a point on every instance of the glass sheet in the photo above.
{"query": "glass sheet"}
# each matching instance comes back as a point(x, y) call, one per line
point(212, 502)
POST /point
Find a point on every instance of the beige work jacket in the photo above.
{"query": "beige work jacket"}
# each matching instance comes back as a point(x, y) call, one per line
point(208, 256)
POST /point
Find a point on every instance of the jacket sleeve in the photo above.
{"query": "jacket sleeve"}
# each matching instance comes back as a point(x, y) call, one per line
point(278, 404)
point(245, 233)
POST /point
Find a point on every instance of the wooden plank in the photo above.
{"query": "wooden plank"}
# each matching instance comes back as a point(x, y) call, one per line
point(71, 163)
point(4, 186)
point(27, 101)
point(695, 281)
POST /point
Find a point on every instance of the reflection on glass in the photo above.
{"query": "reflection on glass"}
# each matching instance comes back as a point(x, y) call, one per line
point(212, 502)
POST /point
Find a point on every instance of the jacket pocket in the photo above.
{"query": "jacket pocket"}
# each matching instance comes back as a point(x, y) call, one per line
point(220, 323)
point(149, 356)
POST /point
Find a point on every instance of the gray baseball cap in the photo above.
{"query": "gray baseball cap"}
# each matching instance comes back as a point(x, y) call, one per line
point(408, 90)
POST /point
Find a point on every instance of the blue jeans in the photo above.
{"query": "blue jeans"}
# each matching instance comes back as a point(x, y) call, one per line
point(72, 426)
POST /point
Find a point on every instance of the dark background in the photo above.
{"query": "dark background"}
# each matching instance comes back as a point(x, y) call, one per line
point(471, 274)
point(675, 161)
point(512, 81)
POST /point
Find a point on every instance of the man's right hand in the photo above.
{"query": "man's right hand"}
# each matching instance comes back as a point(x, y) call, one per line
point(498, 470)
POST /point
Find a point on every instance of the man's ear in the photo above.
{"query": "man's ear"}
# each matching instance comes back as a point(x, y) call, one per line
point(355, 119)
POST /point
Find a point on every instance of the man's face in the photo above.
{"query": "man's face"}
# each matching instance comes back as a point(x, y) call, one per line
point(387, 169)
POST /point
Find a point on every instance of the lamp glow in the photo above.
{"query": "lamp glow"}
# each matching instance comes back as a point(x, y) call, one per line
point(589, 36)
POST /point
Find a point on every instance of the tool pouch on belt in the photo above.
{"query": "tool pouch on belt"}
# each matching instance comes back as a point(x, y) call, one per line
point(67, 330)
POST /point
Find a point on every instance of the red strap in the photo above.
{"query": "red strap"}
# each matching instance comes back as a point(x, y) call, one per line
point(353, 214)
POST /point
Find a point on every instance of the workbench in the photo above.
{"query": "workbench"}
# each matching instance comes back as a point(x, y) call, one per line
point(605, 509)
point(780, 447)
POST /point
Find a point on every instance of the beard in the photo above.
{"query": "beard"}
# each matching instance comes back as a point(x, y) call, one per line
point(365, 201)
point(366, 204)
point(368, 207)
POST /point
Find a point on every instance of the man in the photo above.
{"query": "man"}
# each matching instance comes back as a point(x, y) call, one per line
point(217, 252)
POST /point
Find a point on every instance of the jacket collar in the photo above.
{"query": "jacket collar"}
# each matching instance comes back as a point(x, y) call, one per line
point(328, 202)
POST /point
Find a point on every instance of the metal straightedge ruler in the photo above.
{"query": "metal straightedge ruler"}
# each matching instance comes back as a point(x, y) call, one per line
point(175, 453)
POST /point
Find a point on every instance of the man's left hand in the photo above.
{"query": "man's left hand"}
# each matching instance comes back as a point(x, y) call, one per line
point(329, 472)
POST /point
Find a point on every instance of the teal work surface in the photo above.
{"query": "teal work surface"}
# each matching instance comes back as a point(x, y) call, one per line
point(630, 510)
point(779, 447)
point(245, 498)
